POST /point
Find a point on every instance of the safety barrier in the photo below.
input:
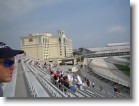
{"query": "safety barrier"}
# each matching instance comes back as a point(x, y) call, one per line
point(106, 73)
point(49, 86)
point(107, 92)
point(35, 88)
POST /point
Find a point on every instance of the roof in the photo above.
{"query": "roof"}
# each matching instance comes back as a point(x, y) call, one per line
point(118, 44)
point(110, 49)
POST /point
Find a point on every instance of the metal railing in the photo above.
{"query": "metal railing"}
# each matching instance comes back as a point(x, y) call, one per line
point(103, 73)
point(43, 78)
point(35, 88)
point(46, 76)
point(107, 92)
point(59, 86)
point(51, 85)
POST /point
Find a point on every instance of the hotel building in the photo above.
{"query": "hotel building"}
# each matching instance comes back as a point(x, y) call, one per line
point(47, 47)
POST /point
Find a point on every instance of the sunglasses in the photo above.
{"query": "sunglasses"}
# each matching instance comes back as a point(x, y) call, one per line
point(8, 63)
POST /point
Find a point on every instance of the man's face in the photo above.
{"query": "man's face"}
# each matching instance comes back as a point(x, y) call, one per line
point(6, 73)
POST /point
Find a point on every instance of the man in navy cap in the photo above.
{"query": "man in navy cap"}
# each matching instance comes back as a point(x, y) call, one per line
point(7, 63)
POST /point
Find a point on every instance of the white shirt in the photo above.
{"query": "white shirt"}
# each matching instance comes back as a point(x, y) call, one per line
point(79, 81)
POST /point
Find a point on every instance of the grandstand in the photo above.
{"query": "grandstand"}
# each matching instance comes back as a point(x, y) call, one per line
point(37, 82)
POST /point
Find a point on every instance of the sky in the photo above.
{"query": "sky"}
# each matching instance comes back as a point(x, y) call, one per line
point(89, 23)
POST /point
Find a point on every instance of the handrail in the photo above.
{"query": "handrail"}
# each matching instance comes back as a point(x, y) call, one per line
point(55, 92)
point(32, 90)
point(35, 88)
point(78, 93)
point(66, 90)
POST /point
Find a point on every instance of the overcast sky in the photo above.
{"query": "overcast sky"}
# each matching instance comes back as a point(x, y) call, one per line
point(89, 23)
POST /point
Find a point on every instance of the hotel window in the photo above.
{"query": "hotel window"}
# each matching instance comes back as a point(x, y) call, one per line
point(30, 39)
point(59, 40)
point(43, 40)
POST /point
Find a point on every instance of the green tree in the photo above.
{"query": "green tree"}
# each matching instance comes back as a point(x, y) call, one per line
point(82, 58)
point(78, 59)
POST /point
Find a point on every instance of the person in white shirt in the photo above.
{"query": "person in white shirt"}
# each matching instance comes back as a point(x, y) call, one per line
point(79, 82)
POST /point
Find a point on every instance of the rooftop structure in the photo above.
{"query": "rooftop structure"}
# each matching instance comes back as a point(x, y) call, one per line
point(118, 44)
point(115, 49)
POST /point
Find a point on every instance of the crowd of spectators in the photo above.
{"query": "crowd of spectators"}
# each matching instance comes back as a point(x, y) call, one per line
point(72, 81)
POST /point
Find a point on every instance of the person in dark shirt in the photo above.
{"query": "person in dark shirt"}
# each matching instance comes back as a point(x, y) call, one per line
point(6, 63)
point(88, 82)
point(65, 81)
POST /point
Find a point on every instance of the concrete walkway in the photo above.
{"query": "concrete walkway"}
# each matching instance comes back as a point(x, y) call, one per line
point(20, 90)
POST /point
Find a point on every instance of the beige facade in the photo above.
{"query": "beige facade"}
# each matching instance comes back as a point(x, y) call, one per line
point(45, 46)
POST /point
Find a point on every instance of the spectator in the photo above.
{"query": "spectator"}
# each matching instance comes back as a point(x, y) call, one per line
point(39, 64)
point(58, 70)
point(51, 72)
point(56, 76)
point(65, 81)
point(44, 66)
point(69, 78)
point(61, 80)
point(84, 83)
point(6, 63)
point(62, 73)
point(93, 84)
point(116, 91)
point(72, 87)
point(79, 82)
point(35, 63)
point(50, 67)
point(88, 82)
point(85, 79)
point(74, 80)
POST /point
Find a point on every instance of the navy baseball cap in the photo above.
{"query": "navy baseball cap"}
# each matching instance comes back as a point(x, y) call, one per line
point(7, 52)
